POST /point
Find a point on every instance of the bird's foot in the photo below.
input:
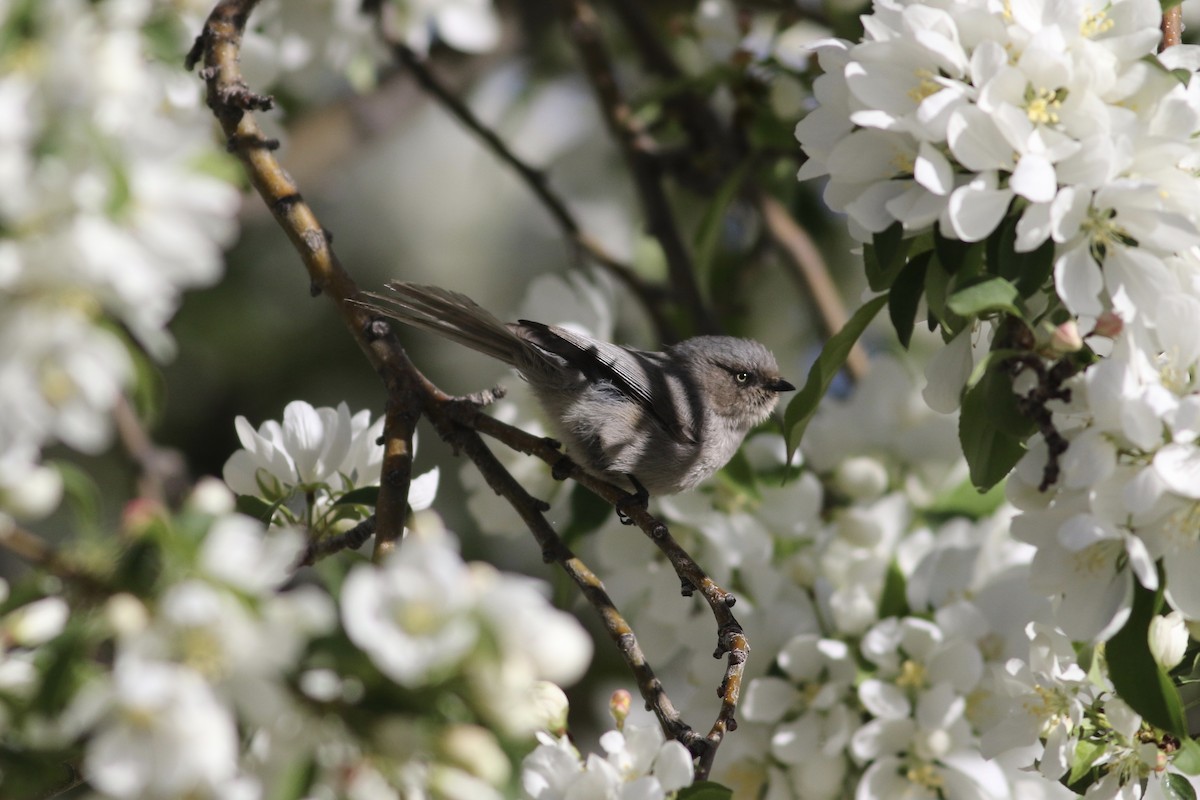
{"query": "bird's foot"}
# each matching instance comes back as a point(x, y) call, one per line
point(640, 500)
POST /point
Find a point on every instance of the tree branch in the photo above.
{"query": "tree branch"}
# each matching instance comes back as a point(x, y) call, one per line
point(410, 394)
point(37, 551)
point(651, 297)
point(799, 252)
point(808, 267)
point(583, 29)
point(164, 473)
point(1172, 27)
point(731, 639)
point(231, 100)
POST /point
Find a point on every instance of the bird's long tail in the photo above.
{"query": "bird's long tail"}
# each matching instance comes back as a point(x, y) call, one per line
point(449, 314)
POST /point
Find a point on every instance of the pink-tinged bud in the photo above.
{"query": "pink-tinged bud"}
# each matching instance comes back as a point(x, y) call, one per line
point(619, 705)
point(1108, 325)
point(1066, 339)
point(139, 514)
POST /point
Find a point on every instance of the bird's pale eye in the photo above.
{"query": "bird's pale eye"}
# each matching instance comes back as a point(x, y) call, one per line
point(742, 377)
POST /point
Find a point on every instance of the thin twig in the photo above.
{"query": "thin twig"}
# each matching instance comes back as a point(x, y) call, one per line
point(696, 116)
point(164, 473)
point(1172, 27)
point(651, 297)
point(731, 639)
point(38, 552)
point(702, 125)
point(808, 267)
point(231, 99)
point(583, 29)
point(555, 550)
point(352, 539)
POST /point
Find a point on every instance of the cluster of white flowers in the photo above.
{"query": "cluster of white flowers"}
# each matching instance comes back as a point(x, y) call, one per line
point(425, 616)
point(1060, 107)
point(224, 680)
point(106, 218)
point(637, 763)
point(1058, 117)
point(301, 468)
point(947, 111)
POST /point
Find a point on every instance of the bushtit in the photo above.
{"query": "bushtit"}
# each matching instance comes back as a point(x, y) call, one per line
point(665, 420)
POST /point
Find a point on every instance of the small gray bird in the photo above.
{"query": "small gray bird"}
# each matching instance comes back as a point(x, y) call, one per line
point(664, 420)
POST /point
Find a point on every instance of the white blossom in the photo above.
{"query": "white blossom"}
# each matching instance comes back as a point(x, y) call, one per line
point(163, 734)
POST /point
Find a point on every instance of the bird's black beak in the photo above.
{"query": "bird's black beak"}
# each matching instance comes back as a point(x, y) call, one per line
point(779, 385)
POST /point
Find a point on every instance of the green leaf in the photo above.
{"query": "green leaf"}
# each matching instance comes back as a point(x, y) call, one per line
point(294, 780)
point(1086, 753)
point(885, 257)
point(139, 567)
point(1177, 787)
point(893, 600)
point(1166, 6)
point(588, 512)
point(1029, 271)
point(906, 294)
point(965, 500)
point(964, 259)
point(800, 411)
point(991, 453)
point(708, 235)
point(937, 289)
point(1136, 676)
point(1000, 405)
point(81, 491)
point(705, 790)
point(362, 496)
point(1187, 757)
point(989, 294)
point(255, 507)
point(1181, 75)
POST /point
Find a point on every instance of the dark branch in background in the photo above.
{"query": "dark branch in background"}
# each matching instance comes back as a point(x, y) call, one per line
point(651, 297)
point(410, 394)
point(809, 269)
point(33, 549)
point(708, 133)
point(583, 29)
point(164, 474)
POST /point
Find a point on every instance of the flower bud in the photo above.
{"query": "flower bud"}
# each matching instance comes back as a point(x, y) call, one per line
point(552, 706)
point(475, 750)
point(34, 494)
point(859, 528)
point(1066, 339)
point(1109, 325)
point(211, 496)
point(1168, 639)
point(37, 622)
point(619, 705)
point(126, 614)
point(861, 478)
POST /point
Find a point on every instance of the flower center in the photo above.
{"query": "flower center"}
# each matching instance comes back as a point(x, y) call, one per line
point(1103, 231)
point(926, 86)
point(1042, 105)
point(1095, 23)
point(912, 675)
point(925, 775)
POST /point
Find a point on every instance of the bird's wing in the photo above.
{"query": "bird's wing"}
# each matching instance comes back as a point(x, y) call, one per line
point(639, 375)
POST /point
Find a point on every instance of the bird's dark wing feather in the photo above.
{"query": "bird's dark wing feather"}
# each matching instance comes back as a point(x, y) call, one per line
point(626, 369)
